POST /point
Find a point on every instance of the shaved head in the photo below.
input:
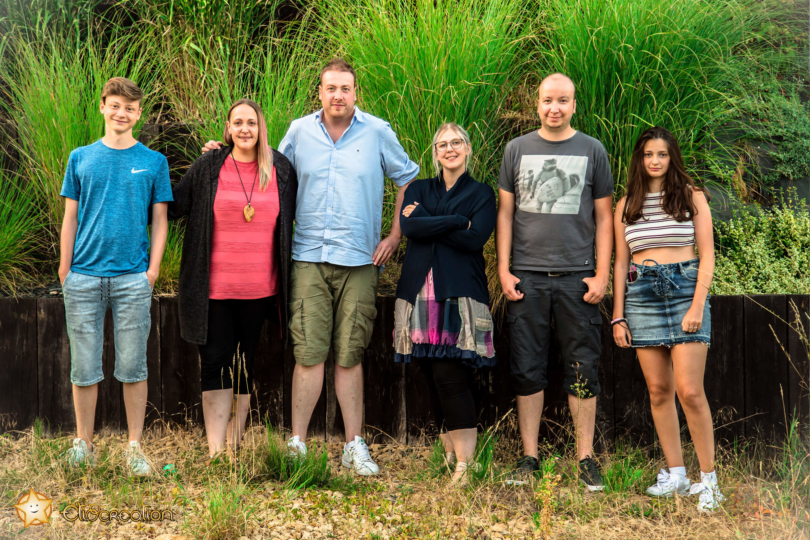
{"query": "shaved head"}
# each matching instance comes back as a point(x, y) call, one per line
point(559, 78)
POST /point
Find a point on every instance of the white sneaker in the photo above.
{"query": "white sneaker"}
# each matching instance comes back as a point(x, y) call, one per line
point(136, 461)
point(355, 454)
point(297, 449)
point(709, 494)
point(80, 454)
point(669, 484)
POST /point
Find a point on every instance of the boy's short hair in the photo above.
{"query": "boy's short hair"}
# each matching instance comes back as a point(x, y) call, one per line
point(121, 86)
point(338, 64)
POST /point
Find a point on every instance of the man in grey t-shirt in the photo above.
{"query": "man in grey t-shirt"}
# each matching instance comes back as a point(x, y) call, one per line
point(555, 189)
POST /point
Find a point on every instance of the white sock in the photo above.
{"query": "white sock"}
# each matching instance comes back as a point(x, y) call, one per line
point(680, 471)
point(708, 478)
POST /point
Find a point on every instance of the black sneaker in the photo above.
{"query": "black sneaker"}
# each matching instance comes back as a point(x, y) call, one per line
point(525, 468)
point(590, 475)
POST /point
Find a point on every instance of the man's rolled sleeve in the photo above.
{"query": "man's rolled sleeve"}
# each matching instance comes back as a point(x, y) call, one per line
point(395, 161)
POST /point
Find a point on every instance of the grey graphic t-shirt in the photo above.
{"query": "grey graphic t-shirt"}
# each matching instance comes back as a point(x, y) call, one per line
point(555, 184)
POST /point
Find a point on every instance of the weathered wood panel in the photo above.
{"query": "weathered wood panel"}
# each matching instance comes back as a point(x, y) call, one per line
point(632, 414)
point(385, 415)
point(725, 368)
point(53, 373)
point(798, 317)
point(604, 436)
point(154, 400)
point(766, 366)
point(18, 351)
point(179, 368)
point(744, 355)
point(268, 376)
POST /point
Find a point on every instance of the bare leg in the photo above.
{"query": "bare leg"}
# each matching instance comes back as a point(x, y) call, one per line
point(583, 411)
point(216, 412)
point(135, 395)
point(349, 391)
point(464, 442)
point(306, 389)
point(84, 403)
point(447, 442)
point(530, 411)
point(236, 426)
point(656, 364)
point(689, 363)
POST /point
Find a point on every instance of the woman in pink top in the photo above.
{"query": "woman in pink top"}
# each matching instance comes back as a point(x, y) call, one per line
point(237, 238)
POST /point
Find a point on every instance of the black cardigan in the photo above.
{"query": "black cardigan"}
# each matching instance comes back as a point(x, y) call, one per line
point(194, 197)
point(438, 238)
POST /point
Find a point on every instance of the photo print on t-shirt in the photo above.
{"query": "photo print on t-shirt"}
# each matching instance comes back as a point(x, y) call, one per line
point(551, 184)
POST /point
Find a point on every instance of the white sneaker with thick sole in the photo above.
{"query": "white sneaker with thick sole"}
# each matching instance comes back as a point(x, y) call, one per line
point(296, 447)
point(669, 484)
point(136, 461)
point(709, 496)
point(355, 454)
point(80, 454)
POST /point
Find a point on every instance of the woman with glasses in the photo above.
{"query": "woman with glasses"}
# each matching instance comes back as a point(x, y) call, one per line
point(442, 317)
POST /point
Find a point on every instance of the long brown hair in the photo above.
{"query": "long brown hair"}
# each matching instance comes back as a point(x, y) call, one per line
point(678, 185)
point(263, 152)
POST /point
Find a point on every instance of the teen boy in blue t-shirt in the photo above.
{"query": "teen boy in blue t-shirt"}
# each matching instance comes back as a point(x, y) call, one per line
point(110, 188)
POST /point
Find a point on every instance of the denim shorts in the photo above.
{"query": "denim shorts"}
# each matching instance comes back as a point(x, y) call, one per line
point(657, 302)
point(86, 301)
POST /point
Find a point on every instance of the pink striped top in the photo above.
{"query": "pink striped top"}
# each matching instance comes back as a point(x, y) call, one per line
point(243, 260)
point(657, 228)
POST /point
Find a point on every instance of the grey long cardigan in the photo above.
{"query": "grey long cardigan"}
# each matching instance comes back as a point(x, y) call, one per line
point(194, 197)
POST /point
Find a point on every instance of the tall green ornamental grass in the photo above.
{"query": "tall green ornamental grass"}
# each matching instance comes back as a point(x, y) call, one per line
point(54, 96)
point(20, 231)
point(640, 63)
point(421, 63)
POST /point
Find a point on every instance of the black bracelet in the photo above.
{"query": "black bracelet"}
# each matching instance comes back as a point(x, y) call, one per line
point(617, 321)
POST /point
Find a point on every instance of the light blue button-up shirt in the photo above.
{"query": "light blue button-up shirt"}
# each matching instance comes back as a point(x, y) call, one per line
point(338, 213)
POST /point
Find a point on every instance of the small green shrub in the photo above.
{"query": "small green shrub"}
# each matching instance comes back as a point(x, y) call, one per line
point(764, 251)
point(309, 471)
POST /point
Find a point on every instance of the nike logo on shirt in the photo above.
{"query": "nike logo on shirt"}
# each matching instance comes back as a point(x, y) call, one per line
point(139, 170)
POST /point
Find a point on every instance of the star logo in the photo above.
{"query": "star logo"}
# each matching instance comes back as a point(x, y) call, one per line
point(34, 508)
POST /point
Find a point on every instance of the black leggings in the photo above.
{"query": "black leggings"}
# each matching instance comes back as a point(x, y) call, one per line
point(450, 394)
point(232, 323)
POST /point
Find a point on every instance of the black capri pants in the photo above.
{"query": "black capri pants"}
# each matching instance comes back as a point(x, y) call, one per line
point(232, 324)
point(450, 394)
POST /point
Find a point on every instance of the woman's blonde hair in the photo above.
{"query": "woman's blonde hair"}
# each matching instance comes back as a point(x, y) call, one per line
point(463, 135)
point(263, 152)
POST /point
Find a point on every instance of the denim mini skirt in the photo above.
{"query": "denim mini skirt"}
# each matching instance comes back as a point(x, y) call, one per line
point(656, 303)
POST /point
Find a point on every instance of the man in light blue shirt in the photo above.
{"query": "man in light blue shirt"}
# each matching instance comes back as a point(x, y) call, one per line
point(341, 156)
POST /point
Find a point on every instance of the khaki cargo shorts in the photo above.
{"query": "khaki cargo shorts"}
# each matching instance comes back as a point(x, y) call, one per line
point(332, 306)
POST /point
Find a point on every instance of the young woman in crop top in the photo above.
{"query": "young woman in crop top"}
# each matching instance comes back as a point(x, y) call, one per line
point(661, 303)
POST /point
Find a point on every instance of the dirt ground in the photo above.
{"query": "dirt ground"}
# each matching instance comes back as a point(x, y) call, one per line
point(411, 498)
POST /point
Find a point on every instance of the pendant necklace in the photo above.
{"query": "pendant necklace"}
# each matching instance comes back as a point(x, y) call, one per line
point(247, 210)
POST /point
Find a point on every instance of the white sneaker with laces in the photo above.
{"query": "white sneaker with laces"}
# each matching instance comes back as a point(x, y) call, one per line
point(80, 454)
point(709, 493)
point(297, 448)
point(136, 461)
point(355, 454)
point(669, 484)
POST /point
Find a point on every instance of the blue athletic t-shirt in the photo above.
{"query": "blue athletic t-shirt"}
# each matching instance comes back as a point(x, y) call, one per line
point(115, 190)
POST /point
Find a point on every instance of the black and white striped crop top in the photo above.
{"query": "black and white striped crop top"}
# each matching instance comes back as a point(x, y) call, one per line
point(657, 228)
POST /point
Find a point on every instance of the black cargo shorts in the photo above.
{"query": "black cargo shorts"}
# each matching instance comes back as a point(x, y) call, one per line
point(578, 328)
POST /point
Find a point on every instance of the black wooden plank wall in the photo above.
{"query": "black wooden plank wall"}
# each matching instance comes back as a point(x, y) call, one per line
point(757, 375)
